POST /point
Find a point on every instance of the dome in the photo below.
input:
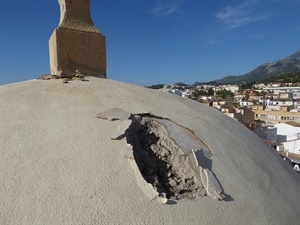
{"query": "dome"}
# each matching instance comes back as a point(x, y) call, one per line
point(69, 156)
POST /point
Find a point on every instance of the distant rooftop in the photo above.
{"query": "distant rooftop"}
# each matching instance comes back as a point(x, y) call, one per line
point(293, 123)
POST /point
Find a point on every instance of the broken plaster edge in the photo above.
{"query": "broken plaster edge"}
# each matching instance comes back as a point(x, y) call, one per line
point(121, 130)
point(146, 187)
point(123, 116)
point(211, 184)
point(209, 181)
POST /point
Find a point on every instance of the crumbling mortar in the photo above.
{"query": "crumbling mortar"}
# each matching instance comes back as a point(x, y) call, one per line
point(160, 160)
point(174, 171)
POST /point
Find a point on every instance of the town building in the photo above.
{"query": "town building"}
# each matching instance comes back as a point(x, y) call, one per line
point(278, 90)
point(288, 136)
point(270, 116)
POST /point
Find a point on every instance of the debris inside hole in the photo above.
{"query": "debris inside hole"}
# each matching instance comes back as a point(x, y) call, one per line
point(169, 156)
point(161, 161)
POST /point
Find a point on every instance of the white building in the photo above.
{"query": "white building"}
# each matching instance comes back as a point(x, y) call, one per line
point(172, 91)
point(233, 88)
point(175, 91)
point(285, 95)
point(259, 86)
point(247, 103)
point(288, 135)
point(281, 102)
point(276, 90)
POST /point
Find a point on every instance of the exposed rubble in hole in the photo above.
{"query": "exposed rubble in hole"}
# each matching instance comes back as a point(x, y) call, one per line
point(170, 157)
point(161, 162)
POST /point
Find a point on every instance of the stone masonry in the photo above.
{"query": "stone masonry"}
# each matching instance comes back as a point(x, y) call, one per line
point(77, 45)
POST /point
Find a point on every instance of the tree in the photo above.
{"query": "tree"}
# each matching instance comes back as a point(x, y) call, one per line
point(225, 94)
point(261, 93)
point(198, 93)
point(247, 85)
point(210, 92)
point(156, 86)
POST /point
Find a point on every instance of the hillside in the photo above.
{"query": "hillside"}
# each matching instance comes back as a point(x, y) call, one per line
point(289, 64)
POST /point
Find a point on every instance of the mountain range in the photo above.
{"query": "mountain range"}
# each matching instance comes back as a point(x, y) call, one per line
point(289, 64)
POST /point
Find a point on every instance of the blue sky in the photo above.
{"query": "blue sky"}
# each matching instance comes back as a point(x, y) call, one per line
point(157, 41)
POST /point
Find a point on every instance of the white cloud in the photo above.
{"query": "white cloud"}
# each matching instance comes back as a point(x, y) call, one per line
point(212, 42)
point(166, 7)
point(240, 15)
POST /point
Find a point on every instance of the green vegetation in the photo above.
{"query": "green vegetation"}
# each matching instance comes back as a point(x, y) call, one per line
point(206, 83)
point(198, 93)
point(262, 93)
point(225, 94)
point(247, 85)
point(284, 78)
point(181, 84)
point(156, 86)
point(210, 92)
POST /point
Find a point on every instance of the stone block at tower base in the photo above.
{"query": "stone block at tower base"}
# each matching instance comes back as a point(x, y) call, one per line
point(73, 50)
